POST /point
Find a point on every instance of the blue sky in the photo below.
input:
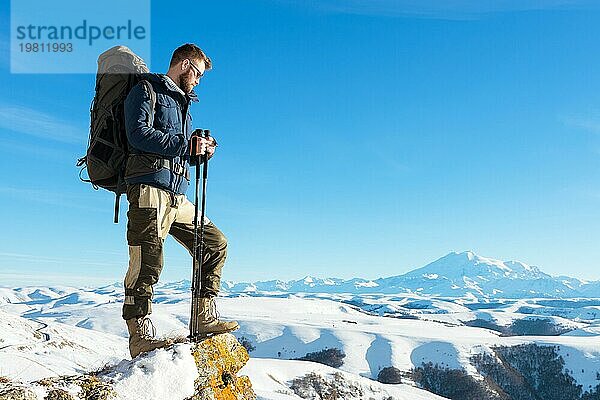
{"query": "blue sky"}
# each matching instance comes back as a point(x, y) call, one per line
point(356, 139)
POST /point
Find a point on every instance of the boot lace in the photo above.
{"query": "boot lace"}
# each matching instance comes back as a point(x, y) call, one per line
point(146, 328)
point(212, 309)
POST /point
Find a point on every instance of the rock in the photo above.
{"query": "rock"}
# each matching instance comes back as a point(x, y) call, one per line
point(390, 375)
point(87, 387)
point(219, 359)
point(58, 394)
point(94, 388)
point(192, 371)
point(12, 392)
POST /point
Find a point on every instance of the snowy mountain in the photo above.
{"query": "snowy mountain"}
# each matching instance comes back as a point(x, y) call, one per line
point(467, 274)
point(449, 312)
point(307, 284)
point(462, 274)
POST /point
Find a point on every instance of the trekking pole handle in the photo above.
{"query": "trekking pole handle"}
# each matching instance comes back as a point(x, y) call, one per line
point(202, 133)
point(205, 133)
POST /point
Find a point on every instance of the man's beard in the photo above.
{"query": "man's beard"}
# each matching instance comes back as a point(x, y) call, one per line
point(186, 82)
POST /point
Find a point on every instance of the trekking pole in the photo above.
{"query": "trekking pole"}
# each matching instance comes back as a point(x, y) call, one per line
point(198, 254)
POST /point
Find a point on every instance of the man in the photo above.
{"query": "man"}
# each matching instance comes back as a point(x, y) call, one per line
point(157, 176)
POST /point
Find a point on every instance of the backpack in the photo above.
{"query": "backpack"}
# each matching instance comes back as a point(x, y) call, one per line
point(119, 70)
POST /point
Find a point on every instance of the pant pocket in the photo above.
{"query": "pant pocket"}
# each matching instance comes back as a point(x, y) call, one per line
point(149, 197)
point(142, 226)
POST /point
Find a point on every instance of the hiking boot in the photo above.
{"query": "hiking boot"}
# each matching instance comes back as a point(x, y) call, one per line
point(208, 322)
point(141, 336)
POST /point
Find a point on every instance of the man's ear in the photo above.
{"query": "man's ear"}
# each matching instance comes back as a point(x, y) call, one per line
point(184, 64)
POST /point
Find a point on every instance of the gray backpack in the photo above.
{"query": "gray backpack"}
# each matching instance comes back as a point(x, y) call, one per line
point(119, 70)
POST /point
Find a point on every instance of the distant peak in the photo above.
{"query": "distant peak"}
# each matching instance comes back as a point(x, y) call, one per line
point(461, 255)
point(470, 255)
point(519, 265)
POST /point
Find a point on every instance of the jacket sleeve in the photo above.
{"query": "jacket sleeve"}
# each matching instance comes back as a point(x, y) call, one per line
point(140, 132)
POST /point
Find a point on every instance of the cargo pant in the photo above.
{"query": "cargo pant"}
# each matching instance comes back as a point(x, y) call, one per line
point(154, 213)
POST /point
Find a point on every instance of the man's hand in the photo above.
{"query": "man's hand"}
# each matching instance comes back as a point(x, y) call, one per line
point(200, 146)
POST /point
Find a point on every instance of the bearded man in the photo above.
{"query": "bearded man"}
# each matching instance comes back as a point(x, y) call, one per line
point(159, 131)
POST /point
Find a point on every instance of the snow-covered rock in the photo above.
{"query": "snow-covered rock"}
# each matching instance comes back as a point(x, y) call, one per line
point(203, 371)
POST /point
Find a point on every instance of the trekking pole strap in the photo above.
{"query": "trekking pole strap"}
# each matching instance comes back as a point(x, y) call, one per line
point(117, 203)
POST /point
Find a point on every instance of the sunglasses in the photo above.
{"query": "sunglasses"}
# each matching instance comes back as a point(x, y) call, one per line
point(197, 70)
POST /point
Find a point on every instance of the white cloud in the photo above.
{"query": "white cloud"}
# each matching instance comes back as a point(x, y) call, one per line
point(391, 160)
point(590, 123)
point(49, 153)
point(54, 198)
point(443, 9)
point(39, 124)
point(19, 278)
point(20, 257)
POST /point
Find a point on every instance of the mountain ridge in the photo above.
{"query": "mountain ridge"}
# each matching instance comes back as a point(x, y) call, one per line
point(457, 274)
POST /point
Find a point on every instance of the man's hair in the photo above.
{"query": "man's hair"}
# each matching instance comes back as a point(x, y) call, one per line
point(190, 51)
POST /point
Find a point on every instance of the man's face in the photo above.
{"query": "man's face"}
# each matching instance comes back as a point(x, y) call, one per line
point(192, 71)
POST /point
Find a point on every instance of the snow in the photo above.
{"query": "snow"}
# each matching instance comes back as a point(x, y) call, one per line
point(64, 330)
point(281, 327)
point(161, 374)
point(269, 377)
point(366, 284)
point(30, 350)
point(170, 373)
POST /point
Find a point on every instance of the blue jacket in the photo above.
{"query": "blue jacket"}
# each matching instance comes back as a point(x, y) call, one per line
point(159, 143)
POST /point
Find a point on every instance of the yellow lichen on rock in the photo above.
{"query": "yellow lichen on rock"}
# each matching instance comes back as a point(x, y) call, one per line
point(219, 359)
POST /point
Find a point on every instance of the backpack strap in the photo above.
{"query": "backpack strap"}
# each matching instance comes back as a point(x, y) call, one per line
point(152, 93)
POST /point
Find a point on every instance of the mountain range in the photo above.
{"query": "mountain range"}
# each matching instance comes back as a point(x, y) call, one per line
point(458, 274)
point(442, 313)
